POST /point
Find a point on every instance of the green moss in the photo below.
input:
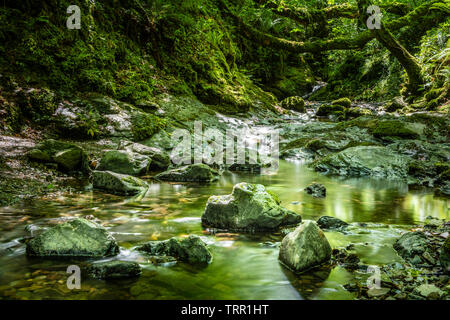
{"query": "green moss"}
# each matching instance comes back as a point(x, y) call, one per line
point(364, 122)
point(419, 169)
point(294, 103)
point(352, 144)
point(393, 128)
point(356, 112)
point(13, 116)
point(326, 110)
point(316, 144)
point(344, 102)
point(145, 125)
point(274, 196)
point(298, 143)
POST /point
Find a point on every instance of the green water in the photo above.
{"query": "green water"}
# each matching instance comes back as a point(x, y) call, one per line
point(244, 266)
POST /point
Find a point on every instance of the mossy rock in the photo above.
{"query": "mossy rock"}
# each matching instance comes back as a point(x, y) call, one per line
point(190, 173)
point(76, 238)
point(125, 162)
point(326, 110)
point(393, 128)
point(294, 103)
point(344, 102)
point(190, 250)
point(116, 183)
point(248, 208)
point(356, 112)
point(378, 162)
point(68, 156)
point(145, 125)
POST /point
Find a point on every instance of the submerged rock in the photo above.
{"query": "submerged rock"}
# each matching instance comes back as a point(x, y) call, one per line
point(326, 222)
point(305, 248)
point(191, 249)
point(116, 183)
point(372, 161)
point(317, 190)
point(114, 269)
point(124, 162)
point(67, 156)
point(248, 208)
point(294, 103)
point(76, 238)
point(191, 173)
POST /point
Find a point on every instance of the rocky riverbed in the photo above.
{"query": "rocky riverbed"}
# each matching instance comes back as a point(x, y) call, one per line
point(377, 184)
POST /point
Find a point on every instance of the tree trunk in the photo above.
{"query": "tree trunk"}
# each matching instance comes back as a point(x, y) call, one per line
point(408, 62)
point(387, 39)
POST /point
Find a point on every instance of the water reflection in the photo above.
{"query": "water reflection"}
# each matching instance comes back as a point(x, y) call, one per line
point(242, 268)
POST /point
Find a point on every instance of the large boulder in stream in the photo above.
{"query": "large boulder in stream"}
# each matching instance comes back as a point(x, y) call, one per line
point(68, 156)
point(248, 208)
point(190, 173)
point(373, 161)
point(125, 162)
point(76, 238)
point(305, 248)
point(190, 250)
point(116, 183)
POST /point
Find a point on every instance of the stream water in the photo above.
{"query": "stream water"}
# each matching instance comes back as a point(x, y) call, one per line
point(244, 266)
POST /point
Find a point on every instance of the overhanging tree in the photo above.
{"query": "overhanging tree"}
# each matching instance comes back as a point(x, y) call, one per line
point(426, 16)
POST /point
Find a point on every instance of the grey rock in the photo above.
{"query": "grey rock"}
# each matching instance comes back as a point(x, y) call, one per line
point(372, 161)
point(305, 248)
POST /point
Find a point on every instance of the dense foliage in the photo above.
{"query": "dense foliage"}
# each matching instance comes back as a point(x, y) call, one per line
point(133, 50)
